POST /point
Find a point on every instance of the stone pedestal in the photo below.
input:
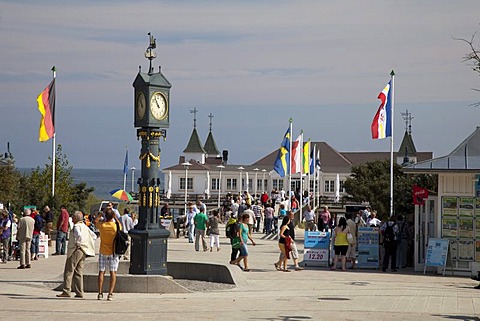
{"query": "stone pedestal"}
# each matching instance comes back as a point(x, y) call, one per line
point(149, 251)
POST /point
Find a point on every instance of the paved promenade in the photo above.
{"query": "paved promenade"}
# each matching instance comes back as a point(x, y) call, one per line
point(263, 294)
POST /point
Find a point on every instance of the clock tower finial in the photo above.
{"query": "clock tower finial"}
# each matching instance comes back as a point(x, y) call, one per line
point(150, 54)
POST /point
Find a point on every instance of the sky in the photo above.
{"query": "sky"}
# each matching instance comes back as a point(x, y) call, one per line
point(252, 64)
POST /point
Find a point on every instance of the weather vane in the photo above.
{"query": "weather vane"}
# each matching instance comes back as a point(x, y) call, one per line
point(150, 54)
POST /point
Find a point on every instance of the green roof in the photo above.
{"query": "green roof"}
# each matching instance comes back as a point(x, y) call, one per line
point(210, 146)
point(407, 143)
point(194, 145)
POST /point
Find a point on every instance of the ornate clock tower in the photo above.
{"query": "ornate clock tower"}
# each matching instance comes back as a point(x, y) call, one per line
point(151, 117)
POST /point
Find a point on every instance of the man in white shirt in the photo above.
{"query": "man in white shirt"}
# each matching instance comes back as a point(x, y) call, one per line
point(309, 217)
point(127, 225)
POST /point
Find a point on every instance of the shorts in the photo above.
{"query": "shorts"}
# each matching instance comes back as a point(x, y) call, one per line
point(294, 251)
point(340, 249)
point(243, 250)
point(108, 262)
point(351, 251)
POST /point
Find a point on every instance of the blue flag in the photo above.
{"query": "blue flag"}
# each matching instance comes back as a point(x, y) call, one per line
point(282, 163)
point(125, 164)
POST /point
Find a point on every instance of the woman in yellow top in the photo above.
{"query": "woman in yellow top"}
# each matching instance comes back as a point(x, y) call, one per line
point(107, 258)
point(340, 243)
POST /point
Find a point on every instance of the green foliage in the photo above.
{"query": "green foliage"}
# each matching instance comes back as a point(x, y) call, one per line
point(370, 183)
point(35, 187)
point(9, 184)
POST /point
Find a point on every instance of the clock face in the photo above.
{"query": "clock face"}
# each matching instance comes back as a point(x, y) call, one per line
point(141, 105)
point(158, 106)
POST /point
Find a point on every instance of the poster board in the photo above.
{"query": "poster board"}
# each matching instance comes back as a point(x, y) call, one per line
point(437, 253)
point(43, 245)
point(168, 225)
point(368, 247)
point(316, 246)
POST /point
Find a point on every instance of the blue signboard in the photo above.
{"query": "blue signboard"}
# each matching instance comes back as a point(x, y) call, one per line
point(437, 252)
point(316, 247)
point(316, 240)
point(368, 247)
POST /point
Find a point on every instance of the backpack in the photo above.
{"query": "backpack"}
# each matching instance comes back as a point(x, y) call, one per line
point(120, 243)
point(231, 229)
point(389, 233)
point(38, 225)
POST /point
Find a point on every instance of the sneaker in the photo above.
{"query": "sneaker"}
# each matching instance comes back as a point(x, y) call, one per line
point(477, 287)
point(63, 295)
point(28, 266)
point(100, 296)
point(110, 297)
point(298, 268)
point(21, 267)
point(80, 296)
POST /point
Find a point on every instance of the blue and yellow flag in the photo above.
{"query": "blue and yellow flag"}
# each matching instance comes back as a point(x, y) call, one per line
point(282, 163)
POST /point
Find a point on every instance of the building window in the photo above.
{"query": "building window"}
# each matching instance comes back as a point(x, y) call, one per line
point(232, 184)
point(215, 184)
point(277, 184)
point(313, 183)
point(259, 185)
point(342, 187)
point(329, 186)
point(189, 183)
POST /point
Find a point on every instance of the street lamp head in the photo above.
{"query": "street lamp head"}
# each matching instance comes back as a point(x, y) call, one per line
point(220, 167)
point(241, 168)
point(256, 169)
point(264, 170)
point(133, 168)
point(186, 164)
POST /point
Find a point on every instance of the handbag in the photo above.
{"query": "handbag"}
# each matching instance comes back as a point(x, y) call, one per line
point(350, 238)
point(236, 242)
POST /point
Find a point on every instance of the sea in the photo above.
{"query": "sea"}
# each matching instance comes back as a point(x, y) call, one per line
point(105, 180)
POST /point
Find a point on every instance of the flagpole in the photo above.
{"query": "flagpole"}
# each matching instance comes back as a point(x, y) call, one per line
point(125, 169)
point(392, 74)
point(314, 175)
point(290, 166)
point(54, 70)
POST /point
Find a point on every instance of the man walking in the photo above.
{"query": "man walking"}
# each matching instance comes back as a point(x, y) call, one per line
point(62, 229)
point(200, 221)
point(80, 244)
point(24, 237)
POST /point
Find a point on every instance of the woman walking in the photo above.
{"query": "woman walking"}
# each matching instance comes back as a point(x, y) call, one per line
point(340, 242)
point(213, 230)
point(244, 236)
point(283, 244)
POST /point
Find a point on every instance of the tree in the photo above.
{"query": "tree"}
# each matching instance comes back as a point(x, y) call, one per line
point(370, 183)
point(36, 186)
point(472, 59)
point(9, 184)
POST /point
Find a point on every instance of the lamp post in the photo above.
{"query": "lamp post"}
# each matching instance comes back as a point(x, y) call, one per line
point(220, 168)
point(240, 182)
point(133, 178)
point(186, 165)
point(263, 181)
point(256, 182)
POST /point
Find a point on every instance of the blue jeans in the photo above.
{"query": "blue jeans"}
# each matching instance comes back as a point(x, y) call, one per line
point(268, 225)
point(61, 242)
point(191, 232)
point(35, 242)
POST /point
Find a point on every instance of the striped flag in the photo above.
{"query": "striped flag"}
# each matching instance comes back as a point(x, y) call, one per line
point(282, 162)
point(382, 122)
point(306, 158)
point(46, 106)
point(297, 155)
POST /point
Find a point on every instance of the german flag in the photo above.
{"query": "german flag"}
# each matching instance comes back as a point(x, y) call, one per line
point(46, 106)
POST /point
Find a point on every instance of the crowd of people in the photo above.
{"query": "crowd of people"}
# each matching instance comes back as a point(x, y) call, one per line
point(242, 215)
